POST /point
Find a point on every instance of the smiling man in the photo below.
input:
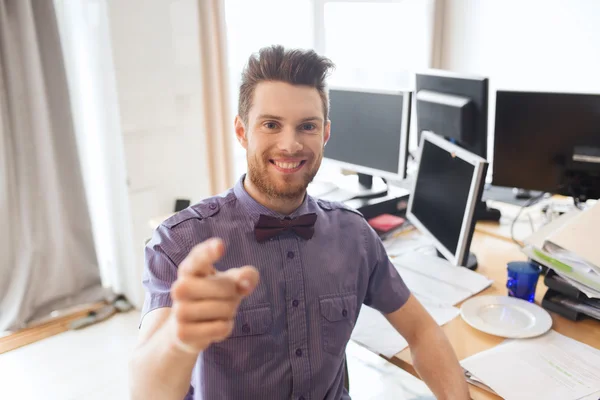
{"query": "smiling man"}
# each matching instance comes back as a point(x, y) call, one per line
point(253, 294)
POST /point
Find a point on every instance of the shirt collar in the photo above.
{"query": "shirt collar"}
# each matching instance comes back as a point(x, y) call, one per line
point(255, 209)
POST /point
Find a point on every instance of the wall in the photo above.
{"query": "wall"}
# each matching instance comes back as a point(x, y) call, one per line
point(537, 45)
point(527, 45)
point(157, 67)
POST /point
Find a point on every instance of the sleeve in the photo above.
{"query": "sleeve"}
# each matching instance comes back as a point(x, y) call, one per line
point(386, 291)
point(163, 253)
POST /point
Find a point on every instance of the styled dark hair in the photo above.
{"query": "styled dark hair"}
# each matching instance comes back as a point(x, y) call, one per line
point(294, 66)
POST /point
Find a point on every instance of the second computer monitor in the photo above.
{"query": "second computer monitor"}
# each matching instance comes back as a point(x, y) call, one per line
point(448, 185)
point(454, 106)
point(369, 131)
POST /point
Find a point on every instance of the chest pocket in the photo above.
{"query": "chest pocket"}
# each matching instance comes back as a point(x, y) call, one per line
point(251, 342)
point(337, 321)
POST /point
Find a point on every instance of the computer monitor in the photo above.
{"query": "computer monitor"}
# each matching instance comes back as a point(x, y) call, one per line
point(454, 106)
point(369, 132)
point(548, 142)
point(448, 185)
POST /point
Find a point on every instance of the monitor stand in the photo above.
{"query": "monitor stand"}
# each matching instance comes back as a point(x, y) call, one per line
point(523, 194)
point(363, 186)
point(471, 261)
point(485, 213)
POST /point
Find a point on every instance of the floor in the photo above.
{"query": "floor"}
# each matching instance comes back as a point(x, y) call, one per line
point(86, 365)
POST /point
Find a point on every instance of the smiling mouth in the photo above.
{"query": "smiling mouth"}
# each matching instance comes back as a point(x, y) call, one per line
point(288, 166)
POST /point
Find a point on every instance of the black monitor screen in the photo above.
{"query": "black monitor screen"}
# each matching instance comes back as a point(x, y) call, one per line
point(535, 134)
point(467, 125)
point(441, 193)
point(366, 129)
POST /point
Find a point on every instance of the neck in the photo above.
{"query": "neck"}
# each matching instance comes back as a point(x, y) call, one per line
point(280, 205)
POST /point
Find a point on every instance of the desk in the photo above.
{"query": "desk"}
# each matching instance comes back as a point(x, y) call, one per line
point(493, 253)
point(494, 249)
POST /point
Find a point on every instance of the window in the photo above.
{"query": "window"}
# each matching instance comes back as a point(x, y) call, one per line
point(374, 44)
point(377, 44)
point(259, 23)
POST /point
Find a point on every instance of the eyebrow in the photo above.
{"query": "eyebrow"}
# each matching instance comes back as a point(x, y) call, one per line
point(270, 116)
point(312, 119)
point(277, 118)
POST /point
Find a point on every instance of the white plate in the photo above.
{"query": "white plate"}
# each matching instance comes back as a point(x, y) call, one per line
point(505, 316)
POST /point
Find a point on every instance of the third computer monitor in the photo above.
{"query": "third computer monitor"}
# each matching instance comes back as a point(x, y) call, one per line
point(548, 142)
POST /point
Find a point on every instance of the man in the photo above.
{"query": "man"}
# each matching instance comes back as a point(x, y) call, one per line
point(212, 329)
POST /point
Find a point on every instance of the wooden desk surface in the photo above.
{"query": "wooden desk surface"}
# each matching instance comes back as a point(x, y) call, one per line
point(493, 254)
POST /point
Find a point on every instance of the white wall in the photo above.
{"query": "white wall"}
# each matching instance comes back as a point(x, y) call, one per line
point(156, 55)
point(551, 45)
point(536, 45)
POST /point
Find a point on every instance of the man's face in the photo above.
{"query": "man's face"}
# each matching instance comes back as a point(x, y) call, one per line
point(284, 138)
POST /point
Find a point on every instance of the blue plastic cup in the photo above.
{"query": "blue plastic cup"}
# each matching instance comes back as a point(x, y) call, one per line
point(522, 279)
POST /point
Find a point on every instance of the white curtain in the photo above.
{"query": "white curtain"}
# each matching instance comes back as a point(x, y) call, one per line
point(47, 255)
point(85, 37)
point(66, 234)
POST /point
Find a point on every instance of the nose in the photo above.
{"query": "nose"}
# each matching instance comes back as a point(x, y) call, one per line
point(289, 141)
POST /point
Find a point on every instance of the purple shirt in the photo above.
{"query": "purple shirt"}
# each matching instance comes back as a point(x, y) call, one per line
point(290, 334)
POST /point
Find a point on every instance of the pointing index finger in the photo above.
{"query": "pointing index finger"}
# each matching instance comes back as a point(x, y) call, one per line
point(200, 260)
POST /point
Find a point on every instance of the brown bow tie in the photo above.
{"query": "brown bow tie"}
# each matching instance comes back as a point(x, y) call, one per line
point(268, 227)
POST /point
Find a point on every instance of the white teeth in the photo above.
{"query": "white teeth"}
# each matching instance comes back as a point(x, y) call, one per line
point(287, 165)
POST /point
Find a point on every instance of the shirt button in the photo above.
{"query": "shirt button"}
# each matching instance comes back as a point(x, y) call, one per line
point(295, 303)
point(212, 206)
point(299, 353)
point(290, 254)
point(345, 313)
point(246, 328)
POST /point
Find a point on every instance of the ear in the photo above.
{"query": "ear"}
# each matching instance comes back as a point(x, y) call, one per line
point(240, 132)
point(327, 132)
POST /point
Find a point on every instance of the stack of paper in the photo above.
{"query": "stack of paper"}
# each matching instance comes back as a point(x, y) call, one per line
point(577, 239)
point(549, 367)
point(436, 283)
point(568, 245)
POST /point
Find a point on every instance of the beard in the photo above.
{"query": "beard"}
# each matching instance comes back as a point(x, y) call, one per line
point(285, 187)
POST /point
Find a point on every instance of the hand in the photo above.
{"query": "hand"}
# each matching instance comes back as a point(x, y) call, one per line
point(205, 301)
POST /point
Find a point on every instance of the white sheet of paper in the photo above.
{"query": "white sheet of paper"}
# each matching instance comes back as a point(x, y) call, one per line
point(436, 280)
point(374, 332)
point(549, 367)
point(593, 396)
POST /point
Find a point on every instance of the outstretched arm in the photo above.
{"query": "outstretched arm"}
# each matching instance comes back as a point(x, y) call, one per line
point(433, 356)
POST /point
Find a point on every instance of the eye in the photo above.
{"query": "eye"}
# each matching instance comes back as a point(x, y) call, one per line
point(308, 126)
point(270, 125)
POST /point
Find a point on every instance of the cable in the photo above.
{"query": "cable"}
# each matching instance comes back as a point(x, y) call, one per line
point(578, 203)
point(529, 203)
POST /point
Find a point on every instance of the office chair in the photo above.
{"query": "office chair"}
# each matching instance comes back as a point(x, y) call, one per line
point(346, 375)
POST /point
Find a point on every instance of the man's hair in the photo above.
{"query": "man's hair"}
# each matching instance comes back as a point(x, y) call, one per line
point(275, 63)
